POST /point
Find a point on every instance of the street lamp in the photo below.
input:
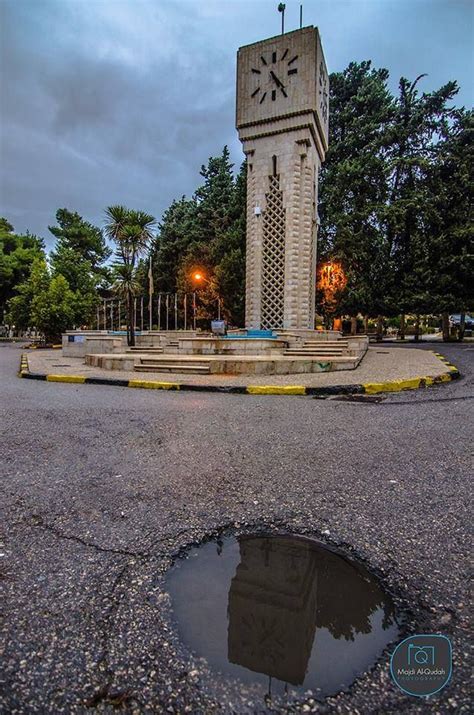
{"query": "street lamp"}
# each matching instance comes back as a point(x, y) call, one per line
point(198, 276)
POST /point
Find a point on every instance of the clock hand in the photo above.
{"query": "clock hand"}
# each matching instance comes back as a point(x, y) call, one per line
point(279, 82)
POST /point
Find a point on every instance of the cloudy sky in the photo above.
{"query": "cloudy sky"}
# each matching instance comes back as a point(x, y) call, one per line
point(121, 101)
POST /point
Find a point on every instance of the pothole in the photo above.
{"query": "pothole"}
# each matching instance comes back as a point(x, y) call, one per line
point(282, 615)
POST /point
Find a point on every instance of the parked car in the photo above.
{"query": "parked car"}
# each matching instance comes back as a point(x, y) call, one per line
point(455, 321)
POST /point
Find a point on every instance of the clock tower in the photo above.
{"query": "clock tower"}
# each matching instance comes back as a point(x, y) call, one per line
point(282, 120)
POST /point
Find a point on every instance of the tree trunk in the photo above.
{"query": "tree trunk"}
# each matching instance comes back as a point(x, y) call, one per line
point(401, 333)
point(366, 324)
point(417, 328)
point(379, 335)
point(462, 327)
point(354, 326)
point(445, 324)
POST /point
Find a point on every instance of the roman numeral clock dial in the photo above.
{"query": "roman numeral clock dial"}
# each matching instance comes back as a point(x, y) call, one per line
point(272, 76)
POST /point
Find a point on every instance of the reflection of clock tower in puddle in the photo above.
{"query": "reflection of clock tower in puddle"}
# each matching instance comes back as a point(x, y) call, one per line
point(272, 607)
point(282, 119)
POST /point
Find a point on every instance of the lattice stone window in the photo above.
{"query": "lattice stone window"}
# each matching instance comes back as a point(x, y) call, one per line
point(273, 258)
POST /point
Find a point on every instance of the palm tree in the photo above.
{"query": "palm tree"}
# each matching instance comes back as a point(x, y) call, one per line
point(126, 286)
point(131, 231)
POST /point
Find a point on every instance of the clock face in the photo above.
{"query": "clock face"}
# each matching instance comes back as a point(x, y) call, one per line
point(323, 92)
point(272, 75)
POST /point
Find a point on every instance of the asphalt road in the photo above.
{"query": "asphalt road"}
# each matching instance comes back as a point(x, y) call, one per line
point(102, 487)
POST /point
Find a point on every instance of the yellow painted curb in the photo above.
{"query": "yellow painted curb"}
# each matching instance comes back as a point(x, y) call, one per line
point(444, 377)
point(66, 378)
point(24, 369)
point(154, 385)
point(445, 360)
point(371, 388)
point(276, 390)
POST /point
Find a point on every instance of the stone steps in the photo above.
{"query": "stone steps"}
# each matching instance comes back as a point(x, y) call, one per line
point(188, 368)
point(312, 354)
point(319, 349)
point(324, 344)
point(150, 350)
point(307, 346)
point(169, 363)
point(306, 349)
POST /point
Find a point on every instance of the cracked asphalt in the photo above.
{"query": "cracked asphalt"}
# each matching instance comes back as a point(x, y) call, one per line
point(102, 488)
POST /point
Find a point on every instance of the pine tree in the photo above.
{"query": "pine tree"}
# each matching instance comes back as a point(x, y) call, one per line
point(79, 256)
point(206, 232)
point(353, 189)
point(418, 123)
point(229, 254)
point(81, 237)
point(443, 255)
point(176, 232)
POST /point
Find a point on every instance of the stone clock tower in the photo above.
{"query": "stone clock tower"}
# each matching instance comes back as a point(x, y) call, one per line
point(282, 119)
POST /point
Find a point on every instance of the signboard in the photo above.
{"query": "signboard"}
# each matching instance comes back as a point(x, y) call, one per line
point(218, 327)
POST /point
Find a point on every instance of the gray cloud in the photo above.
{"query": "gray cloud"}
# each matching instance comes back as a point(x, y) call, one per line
point(123, 100)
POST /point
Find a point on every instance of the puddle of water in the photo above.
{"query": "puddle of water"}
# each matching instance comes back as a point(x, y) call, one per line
point(282, 614)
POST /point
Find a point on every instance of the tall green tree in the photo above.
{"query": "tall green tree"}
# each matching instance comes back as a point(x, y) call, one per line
point(83, 238)
point(229, 254)
point(419, 122)
point(45, 302)
point(79, 255)
point(19, 306)
point(206, 232)
point(132, 232)
point(443, 255)
point(53, 310)
point(176, 232)
point(353, 189)
point(215, 197)
point(17, 255)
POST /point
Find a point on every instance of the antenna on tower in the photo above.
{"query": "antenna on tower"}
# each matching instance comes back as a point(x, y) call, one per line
point(301, 16)
point(281, 8)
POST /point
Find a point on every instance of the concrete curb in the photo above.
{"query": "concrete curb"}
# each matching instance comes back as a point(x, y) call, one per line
point(368, 388)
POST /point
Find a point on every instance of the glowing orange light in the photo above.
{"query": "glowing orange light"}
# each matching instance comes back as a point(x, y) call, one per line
point(197, 277)
point(331, 278)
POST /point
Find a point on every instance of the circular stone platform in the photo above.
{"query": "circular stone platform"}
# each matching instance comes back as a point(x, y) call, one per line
point(380, 364)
